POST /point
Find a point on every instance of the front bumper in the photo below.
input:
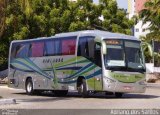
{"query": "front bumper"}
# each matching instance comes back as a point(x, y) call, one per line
point(137, 87)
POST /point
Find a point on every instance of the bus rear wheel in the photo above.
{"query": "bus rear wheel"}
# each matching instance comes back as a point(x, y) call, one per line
point(29, 87)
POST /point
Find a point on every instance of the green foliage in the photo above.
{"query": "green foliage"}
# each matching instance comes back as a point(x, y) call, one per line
point(115, 19)
point(2, 15)
point(27, 19)
point(157, 59)
point(4, 54)
point(148, 51)
point(33, 18)
point(151, 14)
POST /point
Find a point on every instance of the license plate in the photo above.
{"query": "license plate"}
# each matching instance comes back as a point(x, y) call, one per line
point(127, 87)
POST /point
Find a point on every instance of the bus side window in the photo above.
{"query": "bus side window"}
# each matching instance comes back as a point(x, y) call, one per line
point(49, 48)
point(82, 47)
point(13, 51)
point(68, 46)
point(91, 45)
point(22, 50)
point(86, 47)
point(36, 49)
point(58, 46)
point(98, 60)
point(53, 47)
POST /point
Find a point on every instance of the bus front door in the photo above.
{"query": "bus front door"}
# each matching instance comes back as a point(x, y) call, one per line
point(98, 70)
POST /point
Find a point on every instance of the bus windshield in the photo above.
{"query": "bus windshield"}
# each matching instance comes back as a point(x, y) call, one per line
point(124, 55)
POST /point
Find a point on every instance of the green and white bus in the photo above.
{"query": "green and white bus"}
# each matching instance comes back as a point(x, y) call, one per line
point(84, 61)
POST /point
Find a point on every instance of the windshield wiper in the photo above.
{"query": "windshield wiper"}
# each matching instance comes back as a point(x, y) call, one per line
point(125, 68)
point(117, 68)
point(142, 70)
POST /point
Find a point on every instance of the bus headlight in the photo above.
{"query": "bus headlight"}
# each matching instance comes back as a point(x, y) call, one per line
point(142, 83)
point(109, 80)
point(12, 81)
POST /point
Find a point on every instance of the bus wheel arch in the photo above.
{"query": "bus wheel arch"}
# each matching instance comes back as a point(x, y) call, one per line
point(82, 86)
point(29, 86)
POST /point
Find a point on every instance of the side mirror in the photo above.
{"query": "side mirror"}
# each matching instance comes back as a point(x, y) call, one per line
point(104, 48)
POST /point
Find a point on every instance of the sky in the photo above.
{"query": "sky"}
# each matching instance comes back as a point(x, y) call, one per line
point(121, 3)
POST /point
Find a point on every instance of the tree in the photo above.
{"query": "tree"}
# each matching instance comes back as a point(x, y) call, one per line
point(34, 18)
point(82, 15)
point(27, 19)
point(115, 19)
point(26, 7)
point(147, 49)
point(3, 42)
point(151, 14)
point(2, 15)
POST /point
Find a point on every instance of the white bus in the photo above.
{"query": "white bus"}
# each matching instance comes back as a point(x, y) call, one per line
point(84, 61)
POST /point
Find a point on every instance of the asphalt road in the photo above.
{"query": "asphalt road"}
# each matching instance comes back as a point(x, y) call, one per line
point(148, 100)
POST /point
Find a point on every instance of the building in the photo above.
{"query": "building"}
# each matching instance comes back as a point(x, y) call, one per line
point(131, 8)
point(134, 7)
point(139, 5)
point(141, 29)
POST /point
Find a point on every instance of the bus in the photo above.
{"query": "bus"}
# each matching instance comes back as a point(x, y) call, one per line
point(88, 61)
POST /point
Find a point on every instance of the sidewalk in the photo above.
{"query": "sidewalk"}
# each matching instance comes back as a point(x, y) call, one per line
point(4, 101)
point(153, 85)
point(7, 101)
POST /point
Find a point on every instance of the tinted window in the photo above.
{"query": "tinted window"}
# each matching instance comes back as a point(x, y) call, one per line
point(82, 47)
point(97, 55)
point(22, 50)
point(13, 51)
point(86, 46)
point(49, 46)
point(37, 49)
point(60, 46)
point(68, 46)
point(53, 47)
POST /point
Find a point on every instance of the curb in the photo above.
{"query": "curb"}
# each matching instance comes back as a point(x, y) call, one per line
point(7, 101)
point(6, 87)
point(154, 85)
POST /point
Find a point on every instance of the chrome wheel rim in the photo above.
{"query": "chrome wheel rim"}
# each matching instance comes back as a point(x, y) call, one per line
point(29, 87)
point(81, 90)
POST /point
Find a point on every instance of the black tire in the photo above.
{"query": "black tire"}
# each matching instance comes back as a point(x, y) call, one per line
point(118, 95)
point(83, 89)
point(29, 87)
point(60, 93)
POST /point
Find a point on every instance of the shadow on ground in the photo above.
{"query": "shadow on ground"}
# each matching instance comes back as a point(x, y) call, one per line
point(71, 95)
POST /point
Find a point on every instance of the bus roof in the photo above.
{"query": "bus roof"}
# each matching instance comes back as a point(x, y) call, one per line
point(100, 35)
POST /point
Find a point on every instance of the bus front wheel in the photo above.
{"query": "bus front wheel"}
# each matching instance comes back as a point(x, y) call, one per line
point(29, 87)
point(83, 89)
